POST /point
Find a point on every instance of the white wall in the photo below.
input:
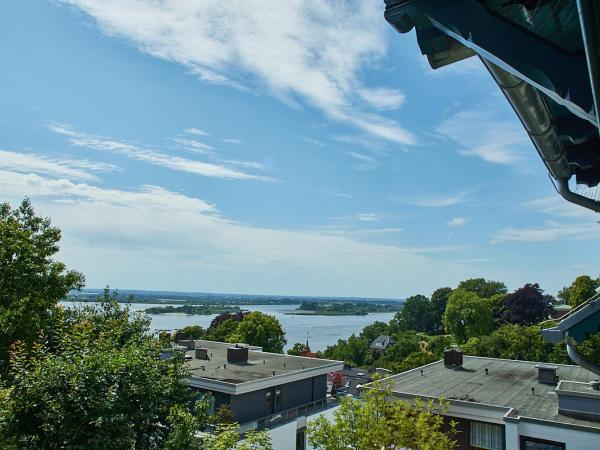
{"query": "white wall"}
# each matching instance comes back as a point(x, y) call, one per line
point(574, 439)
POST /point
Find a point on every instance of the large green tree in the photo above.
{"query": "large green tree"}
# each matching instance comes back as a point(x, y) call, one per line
point(260, 329)
point(376, 422)
point(527, 305)
point(439, 299)
point(581, 289)
point(416, 314)
point(482, 287)
point(467, 315)
point(31, 281)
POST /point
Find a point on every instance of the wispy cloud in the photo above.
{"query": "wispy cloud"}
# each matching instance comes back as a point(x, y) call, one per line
point(457, 222)
point(382, 98)
point(297, 52)
point(312, 141)
point(550, 231)
point(478, 132)
point(70, 168)
point(231, 141)
point(439, 202)
point(369, 163)
point(369, 217)
point(157, 158)
point(195, 146)
point(196, 131)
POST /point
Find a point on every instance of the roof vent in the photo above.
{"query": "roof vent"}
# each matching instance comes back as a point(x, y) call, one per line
point(547, 374)
point(453, 358)
point(237, 355)
point(202, 353)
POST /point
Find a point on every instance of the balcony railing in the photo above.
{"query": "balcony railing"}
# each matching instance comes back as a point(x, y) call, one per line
point(287, 415)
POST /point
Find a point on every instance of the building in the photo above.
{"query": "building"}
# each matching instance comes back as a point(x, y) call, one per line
point(503, 404)
point(380, 343)
point(264, 390)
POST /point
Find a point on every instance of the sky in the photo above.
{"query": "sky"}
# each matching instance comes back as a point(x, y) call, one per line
point(268, 147)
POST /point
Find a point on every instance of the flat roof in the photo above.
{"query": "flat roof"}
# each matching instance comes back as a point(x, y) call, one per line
point(260, 366)
point(508, 384)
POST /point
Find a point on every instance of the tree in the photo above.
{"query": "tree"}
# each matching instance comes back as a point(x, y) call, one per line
point(354, 350)
point(467, 315)
point(416, 314)
point(93, 380)
point(439, 299)
point(371, 331)
point(375, 422)
point(194, 331)
point(223, 326)
point(527, 305)
point(582, 289)
point(406, 343)
point(223, 415)
point(482, 287)
point(31, 281)
point(262, 330)
point(296, 349)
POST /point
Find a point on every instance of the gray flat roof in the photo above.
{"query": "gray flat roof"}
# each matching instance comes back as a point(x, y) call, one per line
point(508, 384)
point(260, 365)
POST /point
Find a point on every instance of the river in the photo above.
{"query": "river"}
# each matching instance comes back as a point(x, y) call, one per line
point(322, 330)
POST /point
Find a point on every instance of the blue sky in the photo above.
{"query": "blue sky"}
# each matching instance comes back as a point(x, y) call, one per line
point(271, 147)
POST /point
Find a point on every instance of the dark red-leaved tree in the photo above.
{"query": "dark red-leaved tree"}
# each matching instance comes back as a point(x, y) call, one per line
point(527, 305)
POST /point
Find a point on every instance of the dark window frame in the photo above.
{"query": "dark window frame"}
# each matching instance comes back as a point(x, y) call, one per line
point(278, 395)
point(535, 440)
point(502, 426)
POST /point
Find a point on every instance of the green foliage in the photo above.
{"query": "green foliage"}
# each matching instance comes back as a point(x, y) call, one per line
point(354, 350)
point(31, 281)
point(195, 331)
point(467, 315)
point(590, 349)
point(376, 423)
point(370, 332)
point(406, 343)
point(94, 381)
point(439, 299)
point(346, 308)
point(527, 305)
point(223, 416)
point(416, 314)
point(296, 349)
point(262, 330)
point(516, 342)
point(223, 331)
point(581, 290)
point(482, 287)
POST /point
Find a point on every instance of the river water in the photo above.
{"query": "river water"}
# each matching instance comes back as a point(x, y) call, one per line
point(322, 330)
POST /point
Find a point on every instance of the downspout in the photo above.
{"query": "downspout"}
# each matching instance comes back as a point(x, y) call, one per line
point(590, 42)
point(570, 196)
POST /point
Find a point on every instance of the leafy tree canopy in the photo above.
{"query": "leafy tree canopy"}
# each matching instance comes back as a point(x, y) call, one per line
point(439, 299)
point(416, 314)
point(527, 305)
point(194, 331)
point(375, 422)
point(582, 289)
point(262, 330)
point(482, 287)
point(467, 315)
point(296, 349)
point(31, 281)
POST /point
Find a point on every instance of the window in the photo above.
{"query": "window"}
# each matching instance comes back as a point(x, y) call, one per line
point(301, 439)
point(278, 395)
point(487, 436)
point(528, 443)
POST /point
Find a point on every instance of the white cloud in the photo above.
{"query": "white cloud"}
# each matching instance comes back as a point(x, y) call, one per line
point(478, 132)
point(180, 242)
point(368, 217)
point(196, 131)
point(556, 206)
point(153, 157)
point(71, 168)
point(457, 222)
point(550, 231)
point(195, 146)
point(368, 162)
point(382, 98)
point(311, 51)
point(438, 202)
point(232, 141)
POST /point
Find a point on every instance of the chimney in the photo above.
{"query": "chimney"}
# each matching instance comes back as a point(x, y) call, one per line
point(547, 374)
point(202, 353)
point(237, 355)
point(453, 358)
